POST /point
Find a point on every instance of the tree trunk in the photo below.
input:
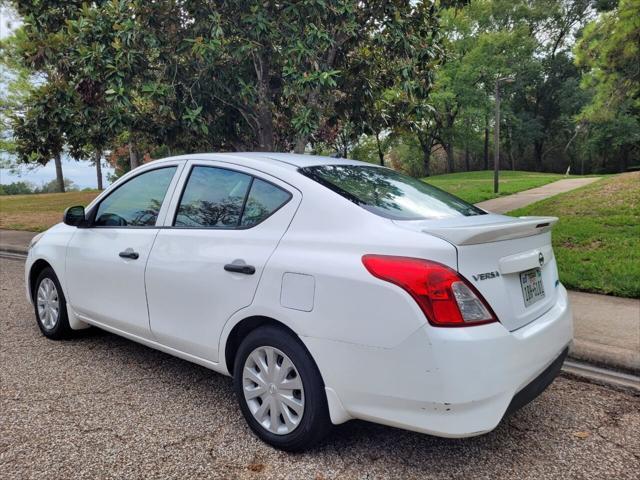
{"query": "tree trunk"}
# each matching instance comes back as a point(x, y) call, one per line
point(98, 160)
point(426, 160)
point(133, 156)
point(380, 152)
point(466, 158)
point(263, 113)
point(486, 143)
point(451, 164)
point(301, 144)
point(624, 159)
point(511, 156)
point(265, 130)
point(59, 177)
point(425, 146)
point(466, 146)
point(538, 146)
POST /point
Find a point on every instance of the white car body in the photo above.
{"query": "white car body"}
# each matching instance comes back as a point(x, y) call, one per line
point(379, 358)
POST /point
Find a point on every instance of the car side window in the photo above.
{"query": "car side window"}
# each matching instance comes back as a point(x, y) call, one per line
point(220, 198)
point(137, 202)
point(213, 197)
point(264, 199)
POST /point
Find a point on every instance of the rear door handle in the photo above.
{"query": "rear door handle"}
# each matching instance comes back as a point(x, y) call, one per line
point(129, 253)
point(240, 268)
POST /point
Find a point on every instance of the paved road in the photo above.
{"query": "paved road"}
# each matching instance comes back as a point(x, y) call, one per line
point(527, 197)
point(103, 407)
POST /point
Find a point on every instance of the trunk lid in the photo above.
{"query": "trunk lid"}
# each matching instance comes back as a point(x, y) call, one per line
point(494, 252)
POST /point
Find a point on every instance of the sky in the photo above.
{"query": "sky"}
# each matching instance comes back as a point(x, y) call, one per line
point(82, 173)
point(8, 21)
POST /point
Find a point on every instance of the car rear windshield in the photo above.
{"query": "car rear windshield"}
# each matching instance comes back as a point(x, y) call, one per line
point(388, 193)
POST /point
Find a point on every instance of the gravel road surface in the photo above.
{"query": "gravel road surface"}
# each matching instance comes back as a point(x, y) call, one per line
point(100, 406)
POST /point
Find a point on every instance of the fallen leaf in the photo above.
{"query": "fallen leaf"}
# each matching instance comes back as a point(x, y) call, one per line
point(581, 434)
point(256, 467)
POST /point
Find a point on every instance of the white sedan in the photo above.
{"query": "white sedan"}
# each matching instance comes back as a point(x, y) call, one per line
point(329, 289)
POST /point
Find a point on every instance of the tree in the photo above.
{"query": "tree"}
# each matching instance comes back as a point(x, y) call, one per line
point(38, 123)
point(17, 188)
point(393, 72)
point(475, 58)
point(233, 76)
point(190, 75)
point(529, 43)
point(53, 187)
point(39, 130)
point(609, 50)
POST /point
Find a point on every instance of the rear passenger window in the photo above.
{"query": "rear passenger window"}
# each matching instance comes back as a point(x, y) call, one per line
point(213, 197)
point(220, 198)
point(264, 199)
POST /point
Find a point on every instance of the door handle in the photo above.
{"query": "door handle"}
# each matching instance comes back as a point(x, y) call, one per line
point(129, 253)
point(240, 268)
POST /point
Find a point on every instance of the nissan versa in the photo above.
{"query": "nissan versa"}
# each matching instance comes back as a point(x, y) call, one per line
point(329, 289)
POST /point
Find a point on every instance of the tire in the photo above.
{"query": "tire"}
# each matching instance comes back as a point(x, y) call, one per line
point(302, 428)
point(53, 327)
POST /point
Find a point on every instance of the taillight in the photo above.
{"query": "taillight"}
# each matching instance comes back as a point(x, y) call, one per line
point(444, 296)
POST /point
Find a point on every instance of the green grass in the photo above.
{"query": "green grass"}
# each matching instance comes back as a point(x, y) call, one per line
point(38, 212)
point(597, 240)
point(476, 187)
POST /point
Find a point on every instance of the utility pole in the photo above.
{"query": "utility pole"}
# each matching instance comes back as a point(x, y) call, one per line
point(496, 142)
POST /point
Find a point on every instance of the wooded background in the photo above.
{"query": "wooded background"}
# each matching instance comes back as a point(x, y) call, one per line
point(408, 84)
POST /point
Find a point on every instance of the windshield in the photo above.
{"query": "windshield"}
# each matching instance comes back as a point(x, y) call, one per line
point(390, 194)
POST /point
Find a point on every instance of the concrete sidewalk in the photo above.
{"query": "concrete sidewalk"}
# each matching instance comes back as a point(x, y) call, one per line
point(15, 241)
point(607, 329)
point(527, 197)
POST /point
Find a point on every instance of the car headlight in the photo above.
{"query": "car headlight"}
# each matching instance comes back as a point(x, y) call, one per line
point(35, 240)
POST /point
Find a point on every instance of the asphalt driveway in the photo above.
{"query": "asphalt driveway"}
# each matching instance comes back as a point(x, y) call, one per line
point(103, 407)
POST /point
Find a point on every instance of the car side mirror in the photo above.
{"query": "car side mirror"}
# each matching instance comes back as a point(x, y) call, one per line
point(74, 216)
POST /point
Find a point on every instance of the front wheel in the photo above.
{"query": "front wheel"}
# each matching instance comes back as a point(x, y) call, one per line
point(51, 306)
point(280, 390)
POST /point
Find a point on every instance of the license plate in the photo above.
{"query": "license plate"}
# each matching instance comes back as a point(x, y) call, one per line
point(532, 288)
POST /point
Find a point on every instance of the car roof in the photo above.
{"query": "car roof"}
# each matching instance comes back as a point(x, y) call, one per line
point(280, 159)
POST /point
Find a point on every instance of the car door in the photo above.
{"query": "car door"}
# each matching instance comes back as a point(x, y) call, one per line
point(106, 260)
point(207, 262)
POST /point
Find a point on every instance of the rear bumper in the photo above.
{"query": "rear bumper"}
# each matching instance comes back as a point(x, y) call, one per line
point(446, 382)
point(538, 385)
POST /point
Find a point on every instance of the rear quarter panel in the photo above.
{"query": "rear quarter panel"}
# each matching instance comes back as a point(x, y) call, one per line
point(326, 240)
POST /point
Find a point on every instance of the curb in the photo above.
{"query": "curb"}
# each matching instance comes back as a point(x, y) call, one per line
point(583, 355)
point(13, 250)
point(601, 376)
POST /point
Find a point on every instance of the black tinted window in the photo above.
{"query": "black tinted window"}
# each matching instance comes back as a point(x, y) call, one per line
point(390, 194)
point(264, 199)
point(137, 202)
point(213, 197)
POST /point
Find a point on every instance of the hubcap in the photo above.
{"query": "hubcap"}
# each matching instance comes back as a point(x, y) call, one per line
point(273, 390)
point(48, 304)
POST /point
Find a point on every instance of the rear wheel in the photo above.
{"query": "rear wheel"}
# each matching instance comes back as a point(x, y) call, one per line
point(280, 390)
point(51, 306)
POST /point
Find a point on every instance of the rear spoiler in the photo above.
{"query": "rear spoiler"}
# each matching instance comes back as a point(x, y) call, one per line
point(493, 232)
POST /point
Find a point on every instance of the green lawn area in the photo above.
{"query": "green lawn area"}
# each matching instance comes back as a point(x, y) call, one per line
point(40, 211)
point(597, 240)
point(475, 187)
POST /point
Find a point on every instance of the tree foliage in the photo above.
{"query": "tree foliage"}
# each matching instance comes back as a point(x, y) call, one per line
point(609, 50)
point(388, 79)
point(190, 75)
